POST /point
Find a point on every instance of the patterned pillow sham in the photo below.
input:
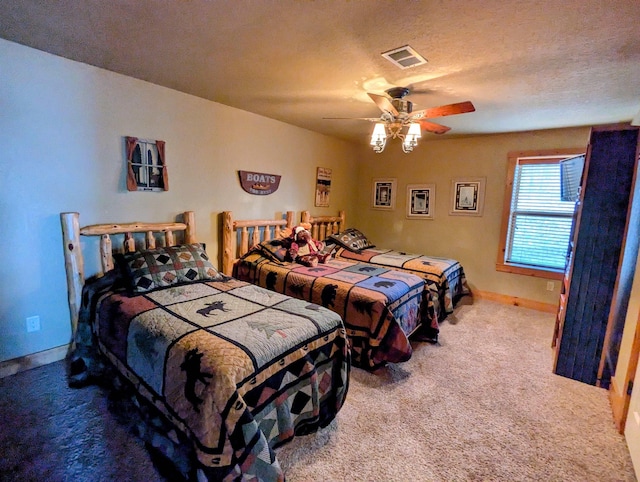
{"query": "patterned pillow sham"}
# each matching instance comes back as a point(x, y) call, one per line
point(151, 269)
point(351, 239)
point(272, 250)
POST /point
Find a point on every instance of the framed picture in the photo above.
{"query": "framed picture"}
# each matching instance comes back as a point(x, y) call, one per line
point(421, 201)
point(384, 194)
point(146, 165)
point(323, 186)
point(467, 196)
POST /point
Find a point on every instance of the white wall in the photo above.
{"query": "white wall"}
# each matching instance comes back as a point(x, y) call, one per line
point(62, 125)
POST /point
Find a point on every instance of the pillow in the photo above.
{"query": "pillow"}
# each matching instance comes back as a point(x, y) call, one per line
point(328, 248)
point(272, 250)
point(351, 239)
point(161, 267)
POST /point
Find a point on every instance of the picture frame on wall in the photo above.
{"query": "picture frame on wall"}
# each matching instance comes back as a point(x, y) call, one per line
point(146, 165)
point(421, 201)
point(467, 196)
point(384, 194)
point(323, 186)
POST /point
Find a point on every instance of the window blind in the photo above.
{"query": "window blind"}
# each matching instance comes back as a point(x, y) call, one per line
point(540, 222)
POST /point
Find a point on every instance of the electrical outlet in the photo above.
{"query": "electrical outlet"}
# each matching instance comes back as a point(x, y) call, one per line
point(33, 323)
point(550, 285)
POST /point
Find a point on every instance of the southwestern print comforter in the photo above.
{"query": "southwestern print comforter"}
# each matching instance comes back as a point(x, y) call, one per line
point(445, 277)
point(237, 368)
point(380, 307)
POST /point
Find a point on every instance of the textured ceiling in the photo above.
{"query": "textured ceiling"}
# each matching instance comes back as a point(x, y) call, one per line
point(524, 64)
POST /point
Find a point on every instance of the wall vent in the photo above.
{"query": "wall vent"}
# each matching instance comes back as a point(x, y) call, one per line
point(404, 57)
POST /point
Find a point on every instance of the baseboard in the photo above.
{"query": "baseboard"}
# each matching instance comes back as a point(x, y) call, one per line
point(23, 363)
point(515, 301)
point(619, 405)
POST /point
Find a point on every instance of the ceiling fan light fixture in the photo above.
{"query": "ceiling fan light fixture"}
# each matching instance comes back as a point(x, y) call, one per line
point(414, 130)
point(411, 138)
point(379, 137)
point(398, 114)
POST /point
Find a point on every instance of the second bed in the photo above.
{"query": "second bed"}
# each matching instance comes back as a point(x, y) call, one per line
point(381, 307)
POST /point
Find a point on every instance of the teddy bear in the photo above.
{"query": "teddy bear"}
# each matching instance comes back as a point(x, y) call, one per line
point(302, 248)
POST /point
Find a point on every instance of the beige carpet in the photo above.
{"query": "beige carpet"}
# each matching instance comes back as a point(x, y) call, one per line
point(482, 405)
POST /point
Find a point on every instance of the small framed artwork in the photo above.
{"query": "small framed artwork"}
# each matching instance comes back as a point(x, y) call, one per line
point(146, 165)
point(384, 194)
point(467, 196)
point(323, 186)
point(421, 201)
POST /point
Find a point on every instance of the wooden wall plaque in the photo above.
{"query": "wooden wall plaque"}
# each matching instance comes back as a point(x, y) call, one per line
point(259, 183)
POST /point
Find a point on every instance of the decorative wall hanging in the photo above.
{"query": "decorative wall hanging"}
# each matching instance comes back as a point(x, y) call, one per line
point(384, 194)
point(259, 183)
point(467, 196)
point(421, 201)
point(146, 165)
point(323, 187)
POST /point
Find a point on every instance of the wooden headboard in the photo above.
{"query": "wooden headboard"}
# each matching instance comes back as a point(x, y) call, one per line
point(323, 226)
point(232, 250)
point(74, 259)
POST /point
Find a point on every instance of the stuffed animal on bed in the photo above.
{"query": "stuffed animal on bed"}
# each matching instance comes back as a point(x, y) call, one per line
point(302, 248)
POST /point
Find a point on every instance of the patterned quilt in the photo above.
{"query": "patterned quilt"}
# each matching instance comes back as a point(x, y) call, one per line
point(380, 307)
point(445, 278)
point(237, 368)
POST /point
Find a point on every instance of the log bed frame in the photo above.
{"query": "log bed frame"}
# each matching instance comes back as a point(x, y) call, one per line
point(323, 226)
point(74, 260)
point(251, 233)
point(232, 250)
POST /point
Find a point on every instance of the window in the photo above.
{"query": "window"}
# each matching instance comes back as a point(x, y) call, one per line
point(538, 212)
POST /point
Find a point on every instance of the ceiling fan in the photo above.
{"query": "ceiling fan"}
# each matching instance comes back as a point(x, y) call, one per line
point(397, 113)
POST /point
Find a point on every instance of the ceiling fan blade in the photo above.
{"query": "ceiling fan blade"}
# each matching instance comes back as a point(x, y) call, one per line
point(370, 119)
point(443, 110)
point(384, 104)
point(433, 127)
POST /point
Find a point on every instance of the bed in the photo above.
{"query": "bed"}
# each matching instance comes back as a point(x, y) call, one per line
point(224, 371)
point(445, 277)
point(380, 307)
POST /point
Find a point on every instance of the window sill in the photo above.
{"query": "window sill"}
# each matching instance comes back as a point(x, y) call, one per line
point(529, 271)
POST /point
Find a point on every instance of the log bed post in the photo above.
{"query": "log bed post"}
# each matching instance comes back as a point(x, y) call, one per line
point(73, 265)
point(189, 218)
point(106, 252)
point(227, 243)
point(289, 219)
point(343, 220)
point(150, 240)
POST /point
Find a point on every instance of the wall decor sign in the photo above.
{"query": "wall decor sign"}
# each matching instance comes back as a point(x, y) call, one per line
point(384, 194)
point(146, 165)
point(259, 183)
point(467, 196)
point(421, 201)
point(323, 186)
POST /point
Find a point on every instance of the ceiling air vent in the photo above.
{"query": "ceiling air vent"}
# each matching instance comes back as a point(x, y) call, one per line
point(404, 57)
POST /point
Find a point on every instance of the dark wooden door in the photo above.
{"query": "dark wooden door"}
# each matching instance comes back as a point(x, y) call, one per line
point(596, 254)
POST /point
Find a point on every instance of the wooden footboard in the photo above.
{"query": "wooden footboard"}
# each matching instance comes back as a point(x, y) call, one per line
point(323, 226)
point(74, 259)
point(252, 232)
